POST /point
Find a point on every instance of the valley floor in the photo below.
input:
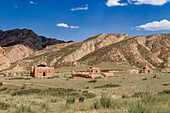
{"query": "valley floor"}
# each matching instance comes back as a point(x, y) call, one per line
point(137, 93)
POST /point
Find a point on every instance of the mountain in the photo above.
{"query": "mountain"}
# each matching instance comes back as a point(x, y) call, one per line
point(68, 55)
point(26, 37)
point(153, 50)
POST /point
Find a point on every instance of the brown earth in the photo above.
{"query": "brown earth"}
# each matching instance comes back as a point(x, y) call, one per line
point(153, 51)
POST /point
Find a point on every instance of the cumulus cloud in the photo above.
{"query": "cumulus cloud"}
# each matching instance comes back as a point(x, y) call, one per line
point(62, 25)
point(115, 3)
point(155, 26)
point(80, 8)
point(67, 26)
point(149, 2)
point(136, 2)
point(74, 27)
point(31, 2)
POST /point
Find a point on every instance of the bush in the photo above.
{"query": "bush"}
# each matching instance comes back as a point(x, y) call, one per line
point(4, 106)
point(105, 102)
point(3, 89)
point(98, 78)
point(23, 109)
point(92, 81)
point(87, 87)
point(26, 92)
point(96, 104)
point(53, 77)
point(137, 108)
point(164, 92)
point(88, 94)
point(1, 83)
point(19, 78)
point(81, 99)
point(107, 86)
point(70, 100)
point(23, 86)
point(125, 96)
point(144, 79)
point(167, 84)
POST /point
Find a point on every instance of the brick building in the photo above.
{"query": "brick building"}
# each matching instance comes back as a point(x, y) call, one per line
point(42, 71)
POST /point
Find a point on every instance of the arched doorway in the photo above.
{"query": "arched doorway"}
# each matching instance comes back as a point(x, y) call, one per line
point(44, 74)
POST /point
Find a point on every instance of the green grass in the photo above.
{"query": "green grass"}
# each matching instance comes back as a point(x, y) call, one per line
point(107, 86)
point(19, 78)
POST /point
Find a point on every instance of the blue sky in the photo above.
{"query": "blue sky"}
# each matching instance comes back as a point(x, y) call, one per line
point(79, 19)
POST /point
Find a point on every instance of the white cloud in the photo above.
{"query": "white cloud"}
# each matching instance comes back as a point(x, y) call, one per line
point(62, 25)
point(136, 2)
point(74, 27)
point(67, 26)
point(150, 2)
point(31, 2)
point(155, 26)
point(115, 3)
point(80, 8)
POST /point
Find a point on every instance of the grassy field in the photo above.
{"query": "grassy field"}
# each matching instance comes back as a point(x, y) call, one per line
point(137, 93)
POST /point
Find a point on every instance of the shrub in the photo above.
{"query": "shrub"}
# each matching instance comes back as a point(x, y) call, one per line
point(87, 87)
point(107, 86)
point(23, 86)
point(164, 92)
point(81, 99)
point(105, 102)
point(4, 106)
point(53, 77)
point(144, 79)
point(23, 109)
point(137, 107)
point(96, 104)
point(3, 89)
point(146, 97)
point(125, 96)
point(70, 100)
point(92, 81)
point(19, 78)
point(1, 83)
point(98, 77)
point(167, 84)
point(26, 92)
point(88, 94)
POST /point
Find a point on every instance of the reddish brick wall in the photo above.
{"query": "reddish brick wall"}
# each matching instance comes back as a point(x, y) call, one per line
point(42, 72)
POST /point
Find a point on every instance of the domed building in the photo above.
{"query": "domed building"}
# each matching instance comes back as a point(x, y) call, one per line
point(42, 71)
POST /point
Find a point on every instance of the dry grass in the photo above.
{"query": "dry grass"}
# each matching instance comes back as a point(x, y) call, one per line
point(48, 102)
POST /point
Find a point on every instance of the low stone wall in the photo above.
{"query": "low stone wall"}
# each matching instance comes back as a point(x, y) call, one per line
point(125, 72)
point(15, 74)
point(91, 75)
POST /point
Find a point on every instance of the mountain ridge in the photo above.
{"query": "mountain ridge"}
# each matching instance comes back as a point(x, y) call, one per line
point(139, 51)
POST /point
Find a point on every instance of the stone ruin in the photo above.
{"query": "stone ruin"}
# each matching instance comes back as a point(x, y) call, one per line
point(42, 71)
point(146, 69)
point(92, 72)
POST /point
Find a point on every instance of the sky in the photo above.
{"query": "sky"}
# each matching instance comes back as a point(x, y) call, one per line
point(80, 19)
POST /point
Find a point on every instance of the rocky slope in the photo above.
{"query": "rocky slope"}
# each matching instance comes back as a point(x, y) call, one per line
point(139, 51)
point(153, 51)
point(69, 55)
point(4, 62)
point(26, 37)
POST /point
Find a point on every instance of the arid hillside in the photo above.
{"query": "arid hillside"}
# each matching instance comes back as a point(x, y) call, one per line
point(139, 51)
point(153, 51)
